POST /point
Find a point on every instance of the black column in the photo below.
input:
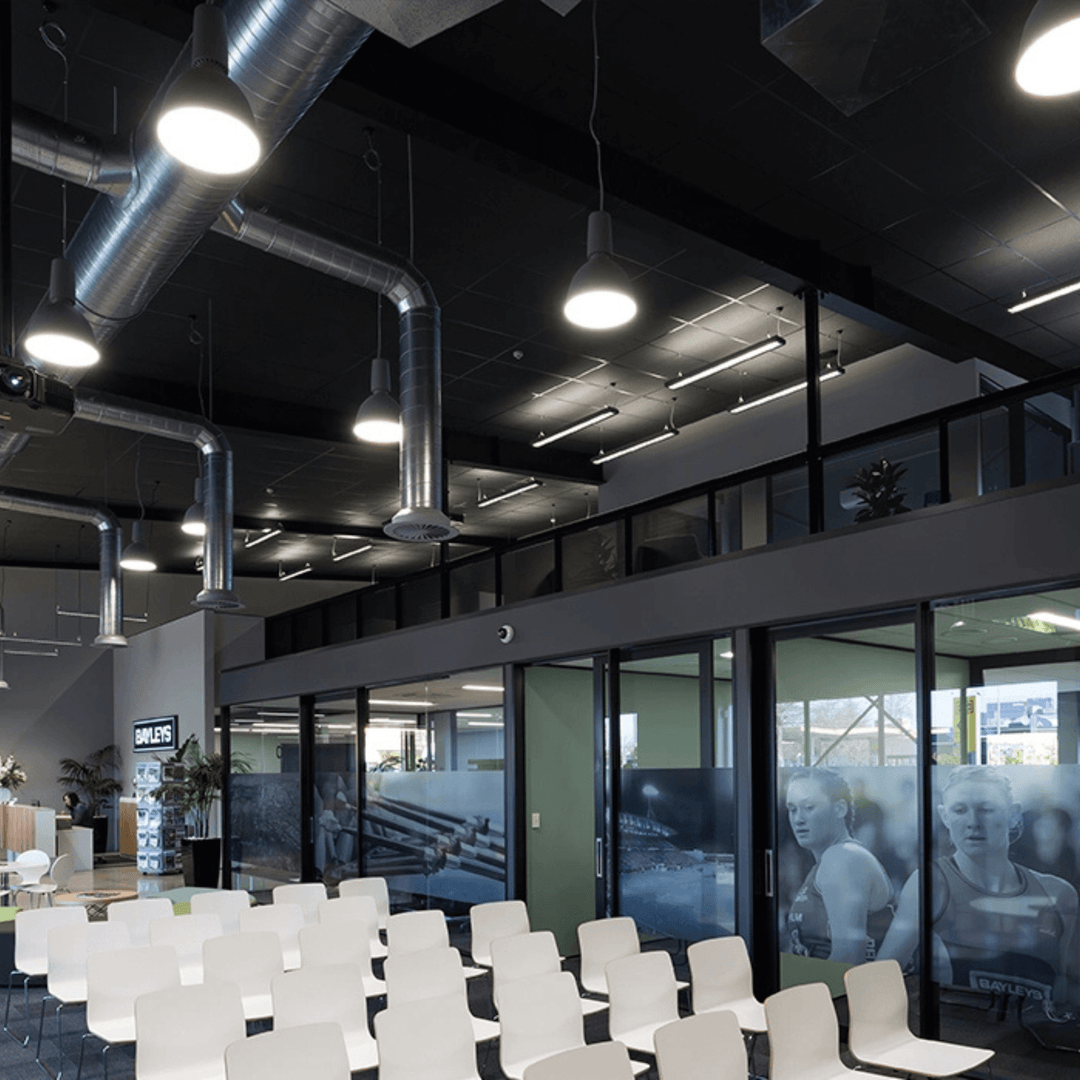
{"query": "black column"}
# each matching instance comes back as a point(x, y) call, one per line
point(307, 788)
point(815, 470)
point(363, 714)
point(226, 798)
point(929, 1026)
point(514, 775)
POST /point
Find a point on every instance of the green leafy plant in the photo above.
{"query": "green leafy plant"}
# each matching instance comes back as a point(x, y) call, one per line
point(92, 777)
point(877, 487)
point(198, 786)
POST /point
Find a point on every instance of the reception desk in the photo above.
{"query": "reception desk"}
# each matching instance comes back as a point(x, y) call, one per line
point(24, 828)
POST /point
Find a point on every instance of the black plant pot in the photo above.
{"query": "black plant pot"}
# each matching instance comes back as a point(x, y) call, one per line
point(101, 834)
point(200, 860)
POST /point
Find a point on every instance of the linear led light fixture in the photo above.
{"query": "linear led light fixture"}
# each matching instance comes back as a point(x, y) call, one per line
point(1045, 297)
point(770, 343)
point(282, 576)
point(481, 687)
point(350, 554)
point(529, 485)
point(385, 702)
point(755, 402)
point(268, 533)
point(632, 448)
point(580, 425)
point(483, 723)
point(392, 720)
point(1064, 621)
point(31, 652)
point(476, 715)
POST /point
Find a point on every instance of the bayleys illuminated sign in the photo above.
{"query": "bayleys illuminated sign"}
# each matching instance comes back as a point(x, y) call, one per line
point(160, 733)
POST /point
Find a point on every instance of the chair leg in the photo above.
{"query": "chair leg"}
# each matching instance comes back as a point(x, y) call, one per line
point(7, 1007)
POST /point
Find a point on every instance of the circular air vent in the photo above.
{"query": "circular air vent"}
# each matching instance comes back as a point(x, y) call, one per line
point(423, 525)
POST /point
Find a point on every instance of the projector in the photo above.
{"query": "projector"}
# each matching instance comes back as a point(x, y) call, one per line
point(34, 403)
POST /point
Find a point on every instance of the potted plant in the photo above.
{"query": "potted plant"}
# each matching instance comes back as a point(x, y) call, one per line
point(195, 789)
point(877, 490)
point(92, 778)
point(12, 777)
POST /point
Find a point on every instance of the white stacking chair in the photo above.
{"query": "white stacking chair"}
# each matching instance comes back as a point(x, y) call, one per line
point(432, 973)
point(721, 978)
point(426, 1040)
point(804, 1037)
point(31, 867)
point(375, 887)
point(226, 904)
point(59, 875)
point(415, 931)
point(499, 919)
point(602, 940)
point(69, 948)
point(538, 1017)
point(355, 909)
point(879, 1035)
point(251, 961)
point(525, 956)
point(32, 954)
point(186, 934)
point(339, 943)
point(312, 995)
point(598, 1061)
point(285, 920)
point(642, 996)
point(708, 1046)
point(312, 1052)
point(114, 980)
point(308, 894)
point(182, 1033)
point(139, 914)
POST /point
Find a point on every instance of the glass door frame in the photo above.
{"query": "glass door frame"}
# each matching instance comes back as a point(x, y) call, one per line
point(607, 748)
point(764, 823)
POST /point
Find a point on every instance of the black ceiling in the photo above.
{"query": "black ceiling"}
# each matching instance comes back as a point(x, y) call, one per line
point(731, 181)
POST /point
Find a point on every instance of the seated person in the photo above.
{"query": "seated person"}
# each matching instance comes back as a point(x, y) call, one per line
point(79, 811)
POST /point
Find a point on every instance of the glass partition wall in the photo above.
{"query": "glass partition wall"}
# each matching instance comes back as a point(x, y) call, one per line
point(434, 793)
point(927, 810)
point(265, 803)
point(1004, 863)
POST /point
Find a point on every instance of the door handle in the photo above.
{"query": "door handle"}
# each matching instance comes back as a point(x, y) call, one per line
point(599, 857)
point(769, 872)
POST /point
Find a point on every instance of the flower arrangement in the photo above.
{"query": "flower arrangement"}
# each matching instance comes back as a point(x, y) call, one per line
point(12, 774)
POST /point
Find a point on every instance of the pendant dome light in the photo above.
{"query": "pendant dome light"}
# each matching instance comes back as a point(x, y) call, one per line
point(206, 122)
point(599, 297)
point(58, 332)
point(137, 555)
point(1049, 60)
point(194, 523)
point(378, 420)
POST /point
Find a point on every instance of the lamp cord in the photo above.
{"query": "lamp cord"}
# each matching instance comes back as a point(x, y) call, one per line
point(138, 491)
point(592, 111)
point(55, 38)
point(374, 162)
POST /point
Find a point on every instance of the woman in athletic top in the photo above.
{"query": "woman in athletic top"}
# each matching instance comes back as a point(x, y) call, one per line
point(843, 908)
point(997, 926)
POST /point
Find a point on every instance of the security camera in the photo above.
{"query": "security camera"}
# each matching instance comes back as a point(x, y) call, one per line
point(506, 633)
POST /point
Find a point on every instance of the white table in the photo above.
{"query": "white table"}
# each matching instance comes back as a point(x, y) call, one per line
point(78, 842)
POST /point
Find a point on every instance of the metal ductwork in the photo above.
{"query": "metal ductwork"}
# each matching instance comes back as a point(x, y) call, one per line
point(217, 592)
point(110, 586)
point(126, 248)
point(62, 150)
point(368, 266)
point(282, 55)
